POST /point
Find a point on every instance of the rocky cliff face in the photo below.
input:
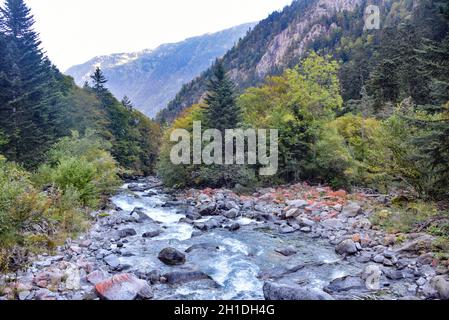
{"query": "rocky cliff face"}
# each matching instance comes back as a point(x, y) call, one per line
point(151, 78)
point(302, 31)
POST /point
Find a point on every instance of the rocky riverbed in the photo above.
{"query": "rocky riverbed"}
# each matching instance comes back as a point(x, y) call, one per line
point(292, 243)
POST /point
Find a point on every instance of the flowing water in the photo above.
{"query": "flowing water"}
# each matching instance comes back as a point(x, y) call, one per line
point(237, 262)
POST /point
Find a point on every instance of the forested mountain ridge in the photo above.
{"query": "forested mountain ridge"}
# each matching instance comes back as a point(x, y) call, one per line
point(151, 78)
point(334, 27)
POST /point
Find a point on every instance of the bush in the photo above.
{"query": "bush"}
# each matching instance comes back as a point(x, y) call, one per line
point(80, 164)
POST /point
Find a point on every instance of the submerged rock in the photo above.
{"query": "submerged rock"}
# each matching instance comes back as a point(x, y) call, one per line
point(289, 251)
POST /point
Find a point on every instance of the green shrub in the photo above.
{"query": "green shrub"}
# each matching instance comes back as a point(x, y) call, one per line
point(83, 164)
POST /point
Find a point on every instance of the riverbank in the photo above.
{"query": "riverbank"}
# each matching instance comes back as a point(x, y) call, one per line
point(294, 242)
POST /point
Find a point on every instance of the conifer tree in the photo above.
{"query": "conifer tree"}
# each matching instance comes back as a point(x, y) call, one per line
point(98, 81)
point(31, 110)
point(222, 112)
point(127, 103)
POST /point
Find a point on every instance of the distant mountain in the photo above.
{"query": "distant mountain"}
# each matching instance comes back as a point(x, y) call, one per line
point(333, 27)
point(151, 78)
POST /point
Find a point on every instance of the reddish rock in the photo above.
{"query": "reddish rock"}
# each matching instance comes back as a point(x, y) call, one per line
point(124, 287)
point(356, 238)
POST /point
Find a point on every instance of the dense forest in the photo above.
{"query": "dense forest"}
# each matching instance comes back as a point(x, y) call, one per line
point(62, 148)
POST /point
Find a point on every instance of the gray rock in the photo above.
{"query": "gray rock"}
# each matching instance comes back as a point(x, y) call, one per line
point(185, 277)
point(112, 261)
point(333, 224)
point(152, 234)
point(292, 213)
point(172, 257)
point(304, 222)
point(297, 203)
point(421, 281)
point(441, 285)
point(372, 275)
point(23, 295)
point(289, 251)
point(346, 247)
point(346, 284)
point(207, 209)
point(280, 292)
point(351, 210)
point(285, 229)
point(126, 233)
point(379, 258)
point(234, 227)
point(422, 243)
point(203, 246)
point(231, 205)
point(394, 274)
point(231, 214)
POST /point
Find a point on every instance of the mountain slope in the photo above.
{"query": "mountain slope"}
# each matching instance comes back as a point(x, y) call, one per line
point(333, 27)
point(151, 78)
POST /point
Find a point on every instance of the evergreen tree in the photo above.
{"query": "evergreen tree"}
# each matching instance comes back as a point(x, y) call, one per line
point(127, 103)
point(222, 112)
point(30, 112)
point(99, 81)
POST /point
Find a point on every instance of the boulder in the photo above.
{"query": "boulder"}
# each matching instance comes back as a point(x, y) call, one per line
point(234, 227)
point(282, 292)
point(333, 224)
point(371, 275)
point(73, 278)
point(284, 229)
point(347, 247)
point(346, 284)
point(172, 257)
point(292, 213)
point(207, 209)
point(124, 287)
point(152, 234)
point(441, 285)
point(112, 261)
point(351, 210)
point(185, 277)
point(126, 233)
point(231, 214)
point(422, 243)
point(298, 204)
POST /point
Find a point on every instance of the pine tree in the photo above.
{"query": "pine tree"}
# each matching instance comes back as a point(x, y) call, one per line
point(99, 81)
point(127, 103)
point(222, 112)
point(30, 112)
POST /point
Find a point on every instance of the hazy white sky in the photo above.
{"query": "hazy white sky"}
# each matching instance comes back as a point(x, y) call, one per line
point(73, 31)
